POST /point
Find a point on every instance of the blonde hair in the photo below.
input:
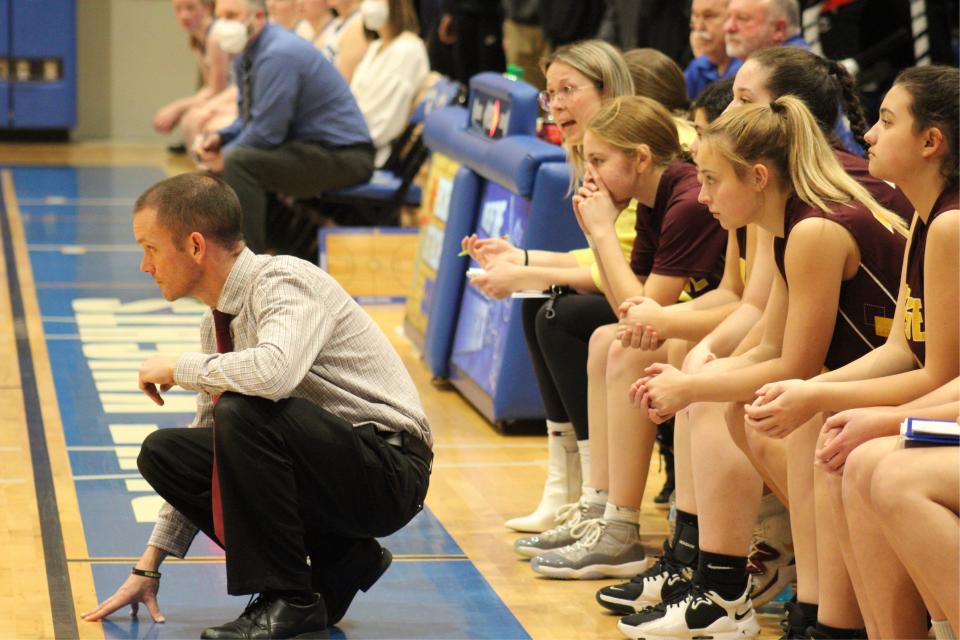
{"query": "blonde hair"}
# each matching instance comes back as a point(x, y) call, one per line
point(603, 65)
point(786, 134)
point(628, 122)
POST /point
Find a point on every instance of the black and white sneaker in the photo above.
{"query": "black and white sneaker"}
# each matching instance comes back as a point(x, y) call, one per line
point(662, 581)
point(698, 614)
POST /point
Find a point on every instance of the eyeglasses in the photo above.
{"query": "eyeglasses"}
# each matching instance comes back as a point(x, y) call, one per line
point(547, 97)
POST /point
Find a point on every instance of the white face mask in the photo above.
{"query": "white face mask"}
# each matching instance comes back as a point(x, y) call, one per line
point(375, 14)
point(233, 35)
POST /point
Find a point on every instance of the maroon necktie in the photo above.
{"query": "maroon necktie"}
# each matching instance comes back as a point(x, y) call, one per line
point(221, 323)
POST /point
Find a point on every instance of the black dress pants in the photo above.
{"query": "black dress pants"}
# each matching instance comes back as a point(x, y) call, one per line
point(296, 169)
point(295, 481)
point(559, 345)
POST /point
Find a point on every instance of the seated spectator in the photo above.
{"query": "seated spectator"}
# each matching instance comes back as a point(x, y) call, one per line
point(315, 15)
point(710, 62)
point(752, 25)
point(391, 72)
point(299, 131)
point(196, 18)
point(343, 42)
point(657, 76)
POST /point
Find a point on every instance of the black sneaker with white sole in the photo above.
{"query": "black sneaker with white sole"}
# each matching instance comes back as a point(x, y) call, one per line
point(698, 614)
point(662, 581)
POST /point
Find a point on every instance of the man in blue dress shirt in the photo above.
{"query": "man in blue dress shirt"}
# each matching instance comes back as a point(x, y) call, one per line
point(752, 25)
point(710, 62)
point(299, 131)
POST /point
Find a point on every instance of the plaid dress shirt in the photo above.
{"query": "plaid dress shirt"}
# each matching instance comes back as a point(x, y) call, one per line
point(296, 333)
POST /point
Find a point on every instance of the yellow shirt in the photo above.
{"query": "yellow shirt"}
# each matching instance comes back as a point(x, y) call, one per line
point(626, 231)
point(686, 132)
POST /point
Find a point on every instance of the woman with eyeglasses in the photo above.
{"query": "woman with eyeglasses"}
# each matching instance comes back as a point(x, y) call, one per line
point(580, 77)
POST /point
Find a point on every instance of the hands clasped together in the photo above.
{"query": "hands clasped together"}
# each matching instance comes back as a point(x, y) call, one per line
point(779, 409)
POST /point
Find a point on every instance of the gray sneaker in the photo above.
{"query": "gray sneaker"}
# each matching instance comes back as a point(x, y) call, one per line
point(604, 549)
point(569, 515)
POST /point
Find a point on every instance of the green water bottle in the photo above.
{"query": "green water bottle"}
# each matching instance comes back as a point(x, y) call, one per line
point(514, 72)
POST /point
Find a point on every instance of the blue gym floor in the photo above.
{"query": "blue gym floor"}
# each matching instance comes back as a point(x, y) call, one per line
point(101, 317)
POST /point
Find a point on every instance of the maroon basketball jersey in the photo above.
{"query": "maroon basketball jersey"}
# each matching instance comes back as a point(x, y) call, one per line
point(677, 236)
point(868, 299)
point(914, 326)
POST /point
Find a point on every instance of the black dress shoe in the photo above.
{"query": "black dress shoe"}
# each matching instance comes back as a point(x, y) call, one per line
point(273, 617)
point(178, 149)
point(357, 570)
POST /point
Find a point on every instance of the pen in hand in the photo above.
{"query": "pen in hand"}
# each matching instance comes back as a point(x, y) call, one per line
point(464, 253)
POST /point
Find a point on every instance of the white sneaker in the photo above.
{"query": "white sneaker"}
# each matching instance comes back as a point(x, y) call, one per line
point(569, 516)
point(698, 614)
point(605, 549)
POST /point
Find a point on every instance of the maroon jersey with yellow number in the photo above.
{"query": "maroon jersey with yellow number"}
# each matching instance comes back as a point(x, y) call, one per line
point(868, 299)
point(678, 236)
point(914, 326)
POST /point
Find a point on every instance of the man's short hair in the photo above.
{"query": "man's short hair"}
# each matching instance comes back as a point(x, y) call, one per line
point(714, 98)
point(199, 202)
point(790, 11)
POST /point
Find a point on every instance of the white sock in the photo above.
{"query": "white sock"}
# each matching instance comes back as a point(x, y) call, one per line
point(595, 496)
point(558, 427)
point(942, 630)
point(584, 447)
point(621, 514)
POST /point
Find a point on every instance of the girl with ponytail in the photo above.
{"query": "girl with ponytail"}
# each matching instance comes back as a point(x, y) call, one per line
point(914, 145)
point(826, 88)
point(766, 76)
point(836, 252)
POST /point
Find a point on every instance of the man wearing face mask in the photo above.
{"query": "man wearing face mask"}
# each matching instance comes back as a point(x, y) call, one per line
point(299, 131)
point(710, 62)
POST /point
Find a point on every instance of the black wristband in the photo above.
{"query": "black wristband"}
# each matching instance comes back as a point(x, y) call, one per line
point(526, 258)
point(146, 574)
